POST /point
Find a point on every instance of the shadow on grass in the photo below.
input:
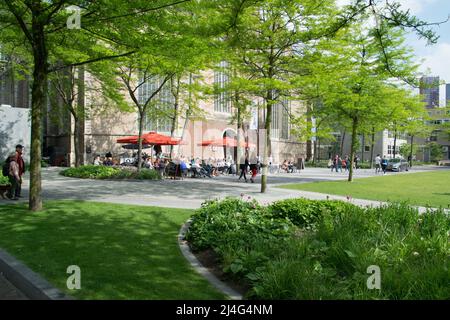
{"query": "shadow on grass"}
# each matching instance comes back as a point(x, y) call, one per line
point(124, 252)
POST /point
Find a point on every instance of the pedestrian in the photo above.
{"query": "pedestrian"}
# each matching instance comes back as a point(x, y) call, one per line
point(339, 164)
point(335, 163)
point(13, 176)
point(21, 163)
point(384, 163)
point(254, 169)
point(243, 168)
point(356, 160)
point(377, 164)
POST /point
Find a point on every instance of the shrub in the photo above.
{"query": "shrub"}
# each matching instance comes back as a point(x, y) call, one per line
point(3, 180)
point(411, 250)
point(307, 213)
point(104, 172)
point(241, 233)
point(272, 251)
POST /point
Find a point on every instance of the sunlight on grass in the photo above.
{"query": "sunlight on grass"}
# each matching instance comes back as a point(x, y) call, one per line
point(124, 252)
point(424, 189)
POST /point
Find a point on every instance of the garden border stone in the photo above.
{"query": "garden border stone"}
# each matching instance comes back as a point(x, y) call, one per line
point(27, 281)
point(197, 265)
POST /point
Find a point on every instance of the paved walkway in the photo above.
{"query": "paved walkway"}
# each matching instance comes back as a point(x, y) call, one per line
point(9, 292)
point(190, 193)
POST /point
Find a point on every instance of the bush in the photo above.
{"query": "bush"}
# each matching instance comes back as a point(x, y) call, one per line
point(3, 180)
point(241, 233)
point(306, 213)
point(305, 249)
point(104, 172)
point(412, 251)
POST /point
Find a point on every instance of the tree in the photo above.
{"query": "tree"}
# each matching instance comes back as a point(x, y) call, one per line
point(42, 26)
point(114, 29)
point(266, 36)
point(356, 74)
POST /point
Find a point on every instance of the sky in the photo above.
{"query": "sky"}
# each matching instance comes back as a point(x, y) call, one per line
point(434, 59)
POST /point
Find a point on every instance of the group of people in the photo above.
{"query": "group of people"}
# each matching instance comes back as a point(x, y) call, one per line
point(14, 169)
point(338, 163)
point(381, 164)
point(288, 166)
point(252, 167)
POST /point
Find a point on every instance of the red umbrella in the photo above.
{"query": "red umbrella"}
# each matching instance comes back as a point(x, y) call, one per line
point(225, 142)
point(151, 138)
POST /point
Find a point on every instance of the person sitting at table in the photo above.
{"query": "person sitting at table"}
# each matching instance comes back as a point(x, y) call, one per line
point(206, 169)
point(221, 166)
point(148, 163)
point(183, 167)
point(290, 167)
point(97, 161)
point(284, 166)
point(108, 161)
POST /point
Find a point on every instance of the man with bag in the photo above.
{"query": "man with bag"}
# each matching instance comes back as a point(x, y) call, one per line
point(14, 177)
point(21, 164)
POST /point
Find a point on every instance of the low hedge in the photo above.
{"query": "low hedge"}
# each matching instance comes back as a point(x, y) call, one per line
point(306, 213)
point(105, 172)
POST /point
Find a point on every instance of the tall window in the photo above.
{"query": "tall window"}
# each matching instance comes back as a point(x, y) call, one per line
point(280, 120)
point(222, 98)
point(159, 117)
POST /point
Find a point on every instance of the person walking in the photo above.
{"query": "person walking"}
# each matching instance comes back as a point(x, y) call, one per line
point(356, 160)
point(339, 164)
point(335, 163)
point(254, 169)
point(243, 168)
point(13, 176)
point(384, 163)
point(377, 164)
point(21, 164)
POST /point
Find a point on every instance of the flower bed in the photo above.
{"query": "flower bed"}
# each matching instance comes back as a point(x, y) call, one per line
point(304, 249)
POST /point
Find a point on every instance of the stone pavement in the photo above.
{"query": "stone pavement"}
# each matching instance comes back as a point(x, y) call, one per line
point(9, 292)
point(190, 193)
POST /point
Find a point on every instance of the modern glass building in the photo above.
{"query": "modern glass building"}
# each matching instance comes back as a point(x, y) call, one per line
point(429, 88)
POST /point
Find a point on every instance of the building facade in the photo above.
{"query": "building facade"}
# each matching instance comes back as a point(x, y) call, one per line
point(429, 89)
point(104, 124)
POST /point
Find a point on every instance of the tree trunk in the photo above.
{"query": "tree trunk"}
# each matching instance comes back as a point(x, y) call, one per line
point(80, 120)
point(315, 156)
point(363, 147)
point(174, 125)
point(341, 148)
point(141, 129)
point(411, 151)
point(77, 144)
point(372, 147)
point(352, 148)
point(267, 147)
point(395, 144)
point(38, 103)
point(238, 138)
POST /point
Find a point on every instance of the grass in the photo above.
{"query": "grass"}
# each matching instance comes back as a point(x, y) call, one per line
point(424, 189)
point(124, 252)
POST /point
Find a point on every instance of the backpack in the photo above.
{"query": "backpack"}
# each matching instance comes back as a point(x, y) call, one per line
point(5, 168)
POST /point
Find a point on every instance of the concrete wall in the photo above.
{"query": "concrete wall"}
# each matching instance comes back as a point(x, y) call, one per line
point(15, 128)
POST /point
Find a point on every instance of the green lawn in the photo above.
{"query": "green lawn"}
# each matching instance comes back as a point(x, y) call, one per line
point(124, 252)
point(424, 189)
